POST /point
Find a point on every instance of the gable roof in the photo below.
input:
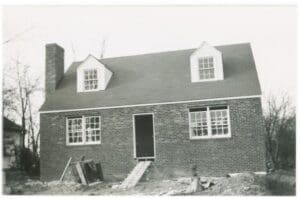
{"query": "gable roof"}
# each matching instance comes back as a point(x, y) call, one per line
point(157, 78)
point(9, 125)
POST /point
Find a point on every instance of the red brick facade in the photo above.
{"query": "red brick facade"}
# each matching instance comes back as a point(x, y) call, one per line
point(175, 152)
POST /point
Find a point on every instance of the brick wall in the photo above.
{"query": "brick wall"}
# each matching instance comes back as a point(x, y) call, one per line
point(175, 152)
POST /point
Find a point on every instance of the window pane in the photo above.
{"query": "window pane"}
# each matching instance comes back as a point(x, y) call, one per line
point(205, 132)
point(225, 131)
point(192, 117)
point(201, 76)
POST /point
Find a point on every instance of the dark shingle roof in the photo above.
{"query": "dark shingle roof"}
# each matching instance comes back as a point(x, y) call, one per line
point(159, 77)
point(9, 125)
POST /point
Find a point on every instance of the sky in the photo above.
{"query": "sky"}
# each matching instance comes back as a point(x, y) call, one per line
point(128, 30)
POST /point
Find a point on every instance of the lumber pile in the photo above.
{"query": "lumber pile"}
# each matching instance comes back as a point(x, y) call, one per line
point(83, 171)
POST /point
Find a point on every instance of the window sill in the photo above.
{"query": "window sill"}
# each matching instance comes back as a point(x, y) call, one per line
point(207, 80)
point(84, 144)
point(87, 91)
point(209, 138)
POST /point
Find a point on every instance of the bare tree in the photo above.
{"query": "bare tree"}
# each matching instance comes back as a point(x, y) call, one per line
point(8, 95)
point(103, 47)
point(73, 51)
point(19, 99)
point(17, 35)
point(280, 125)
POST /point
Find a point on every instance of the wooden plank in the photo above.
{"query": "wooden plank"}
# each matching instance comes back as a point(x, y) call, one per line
point(135, 175)
point(64, 172)
point(80, 173)
point(95, 183)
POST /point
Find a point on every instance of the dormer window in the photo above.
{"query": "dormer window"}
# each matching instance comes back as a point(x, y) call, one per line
point(92, 75)
point(206, 68)
point(206, 64)
point(90, 80)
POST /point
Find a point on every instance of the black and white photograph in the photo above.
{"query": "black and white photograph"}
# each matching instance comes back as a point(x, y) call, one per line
point(152, 100)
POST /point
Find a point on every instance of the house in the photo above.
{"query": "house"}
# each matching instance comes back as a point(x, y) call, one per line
point(180, 109)
point(12, 141)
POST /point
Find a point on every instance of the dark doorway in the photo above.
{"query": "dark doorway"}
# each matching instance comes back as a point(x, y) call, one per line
point(144, 139)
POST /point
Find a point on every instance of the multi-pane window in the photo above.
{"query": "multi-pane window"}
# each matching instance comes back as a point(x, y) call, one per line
point(90, 79)
point(206, 68)
point(198, 122)
point(209, 122)
point(84, 130)
point(92, 129)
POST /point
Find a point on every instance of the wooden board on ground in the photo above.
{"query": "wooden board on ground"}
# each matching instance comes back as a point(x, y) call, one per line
point(80, 173)
point(72, 175)
point(66, 167)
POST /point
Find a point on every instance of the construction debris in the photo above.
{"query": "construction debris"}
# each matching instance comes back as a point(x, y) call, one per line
point(239, 185)
point(84, 171)
point(184, 180)
point(206, 185)
point(194, 185)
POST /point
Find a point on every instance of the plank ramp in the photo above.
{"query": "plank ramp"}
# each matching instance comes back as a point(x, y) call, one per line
point(135, 175)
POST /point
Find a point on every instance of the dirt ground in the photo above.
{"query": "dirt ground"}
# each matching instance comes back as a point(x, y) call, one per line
point(242, 184)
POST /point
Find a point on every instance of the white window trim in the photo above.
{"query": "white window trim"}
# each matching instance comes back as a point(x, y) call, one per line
point(209, 134)
point(208, 80)
point(98, 79)
point(83, 133)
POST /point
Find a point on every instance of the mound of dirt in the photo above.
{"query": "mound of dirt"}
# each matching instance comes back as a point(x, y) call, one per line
point(241, 184)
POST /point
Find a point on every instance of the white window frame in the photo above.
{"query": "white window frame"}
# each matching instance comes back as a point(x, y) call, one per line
point(83, 131)
point(209, 134)
point(83, 79)
point(214, 68)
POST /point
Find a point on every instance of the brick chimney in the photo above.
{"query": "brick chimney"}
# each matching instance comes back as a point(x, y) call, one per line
point(54, 67)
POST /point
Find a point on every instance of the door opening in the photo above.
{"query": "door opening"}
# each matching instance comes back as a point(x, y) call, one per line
point(144, 136)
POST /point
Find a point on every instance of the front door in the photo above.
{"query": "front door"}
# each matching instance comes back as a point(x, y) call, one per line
point(144, 139)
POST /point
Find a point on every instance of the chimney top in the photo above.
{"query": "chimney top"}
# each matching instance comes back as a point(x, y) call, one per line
point(54, 67)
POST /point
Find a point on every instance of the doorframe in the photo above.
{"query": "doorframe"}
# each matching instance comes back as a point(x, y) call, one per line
point(134, 136)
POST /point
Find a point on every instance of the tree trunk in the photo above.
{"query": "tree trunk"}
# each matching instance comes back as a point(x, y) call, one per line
point(23, 131)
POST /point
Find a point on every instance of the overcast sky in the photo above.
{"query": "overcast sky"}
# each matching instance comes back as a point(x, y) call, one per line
point(272, 32)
